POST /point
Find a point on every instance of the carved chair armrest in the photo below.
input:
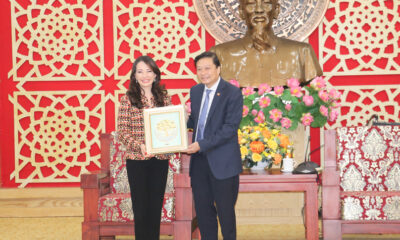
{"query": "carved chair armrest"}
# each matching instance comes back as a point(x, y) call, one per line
point(184, 209)
point(96, 180)
point(330, 179)
point(93, 185)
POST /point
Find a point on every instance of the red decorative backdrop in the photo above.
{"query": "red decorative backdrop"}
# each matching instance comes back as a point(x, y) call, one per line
point(65, 63)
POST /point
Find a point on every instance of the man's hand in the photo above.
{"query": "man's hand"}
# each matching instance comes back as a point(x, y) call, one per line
point(187, 110)
point(192, 148)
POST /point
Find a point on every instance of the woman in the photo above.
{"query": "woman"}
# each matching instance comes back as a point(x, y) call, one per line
point(147, 174)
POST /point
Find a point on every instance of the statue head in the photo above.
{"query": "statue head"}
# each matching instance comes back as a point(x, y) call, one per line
point(259, 16)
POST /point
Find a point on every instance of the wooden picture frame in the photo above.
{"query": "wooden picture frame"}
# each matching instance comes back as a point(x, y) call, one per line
point(165, 129)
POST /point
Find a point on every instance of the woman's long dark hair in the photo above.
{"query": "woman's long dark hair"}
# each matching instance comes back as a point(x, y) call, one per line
point(135, 92)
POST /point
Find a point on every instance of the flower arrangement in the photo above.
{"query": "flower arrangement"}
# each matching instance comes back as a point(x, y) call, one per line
point(312, 105)
point(260, 143)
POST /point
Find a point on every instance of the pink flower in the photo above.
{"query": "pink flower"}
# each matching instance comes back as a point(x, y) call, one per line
point(278, 90)
point(323, 110)
point(333, 115)
point(188, 107)
point(245, 110)
point(333, 94)
point(318, 83)
point(275, 114)
point(260, 117)
point(254, 112)
point(323, 95)
point(263, 88)
point(288, 106)
point(234, 82)
point(336, 104)
point(286, 123)
point(264, 102)
point(247, 91)
point(293, 82)
point(308, 100)
point(296, 91)
point(307, 119)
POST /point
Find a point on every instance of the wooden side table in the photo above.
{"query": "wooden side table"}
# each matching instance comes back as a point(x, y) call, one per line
point(274, 180)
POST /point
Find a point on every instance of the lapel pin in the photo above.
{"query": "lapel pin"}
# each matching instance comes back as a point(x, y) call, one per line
point(218, 94)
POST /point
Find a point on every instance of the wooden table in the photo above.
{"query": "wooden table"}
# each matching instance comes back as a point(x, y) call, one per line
point(275, 181)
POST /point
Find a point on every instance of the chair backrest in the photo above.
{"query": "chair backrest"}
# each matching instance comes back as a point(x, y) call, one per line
point(118, 175)
point(368, 160)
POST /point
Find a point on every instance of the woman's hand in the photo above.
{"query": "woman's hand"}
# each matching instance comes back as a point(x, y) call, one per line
point(144, 153)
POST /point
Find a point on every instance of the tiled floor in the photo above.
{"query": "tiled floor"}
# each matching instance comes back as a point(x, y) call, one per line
point(69, 228)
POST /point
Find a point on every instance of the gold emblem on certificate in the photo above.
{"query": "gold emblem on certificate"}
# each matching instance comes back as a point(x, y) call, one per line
point(166, 130)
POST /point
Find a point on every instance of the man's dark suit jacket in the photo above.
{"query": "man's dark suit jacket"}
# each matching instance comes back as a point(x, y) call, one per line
point(220, 142)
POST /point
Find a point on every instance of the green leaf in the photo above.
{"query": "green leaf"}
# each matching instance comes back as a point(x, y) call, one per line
point(274, 101)
point(245, 121)
point(294, 125)
point(297, 111)
point(252, 96)
point(248, 102)
point(313, 110)
point(287, 96)
point(319, 120)
point(266, 111)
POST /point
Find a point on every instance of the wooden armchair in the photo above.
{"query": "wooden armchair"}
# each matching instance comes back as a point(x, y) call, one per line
point(361, 181)
point(107, 203)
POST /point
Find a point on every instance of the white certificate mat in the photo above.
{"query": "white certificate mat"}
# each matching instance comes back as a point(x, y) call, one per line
point(165, 129)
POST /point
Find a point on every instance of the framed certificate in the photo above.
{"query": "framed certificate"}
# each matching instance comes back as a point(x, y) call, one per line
point(165, 129)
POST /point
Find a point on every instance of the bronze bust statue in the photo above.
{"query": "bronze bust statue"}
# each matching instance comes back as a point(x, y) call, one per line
point(262, 57)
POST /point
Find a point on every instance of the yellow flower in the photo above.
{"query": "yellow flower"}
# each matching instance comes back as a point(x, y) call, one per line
point(261, 142)
point(257, 128)
point(256, 157)
point(244, 150)
point(272, 144)
point(254, 135)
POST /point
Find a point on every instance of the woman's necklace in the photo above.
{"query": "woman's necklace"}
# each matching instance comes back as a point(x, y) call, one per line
point(149, 99)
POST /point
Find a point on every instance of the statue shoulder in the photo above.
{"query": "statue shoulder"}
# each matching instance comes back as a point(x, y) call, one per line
point(231, 46)
point(303, 48)
point(292, 43)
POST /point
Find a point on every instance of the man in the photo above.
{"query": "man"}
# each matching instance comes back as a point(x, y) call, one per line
point(261, 56)
point(216, 111)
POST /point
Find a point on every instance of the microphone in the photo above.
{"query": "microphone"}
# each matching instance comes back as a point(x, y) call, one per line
point(375, 122)
point(374, 117)
point(307, 167)
point(385, 124)
point(308, 143)
point(313, 151)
